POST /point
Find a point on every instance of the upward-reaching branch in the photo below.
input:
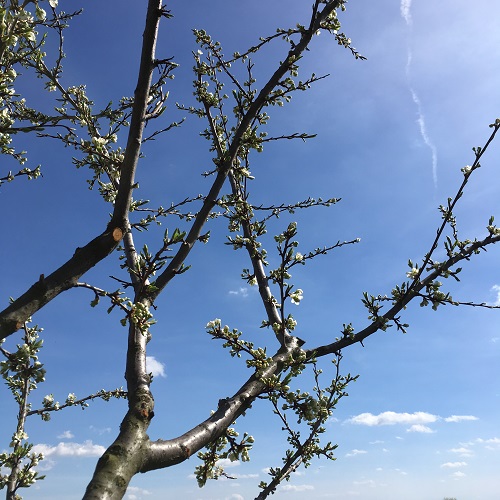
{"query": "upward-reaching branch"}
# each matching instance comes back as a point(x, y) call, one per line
point(225, 163)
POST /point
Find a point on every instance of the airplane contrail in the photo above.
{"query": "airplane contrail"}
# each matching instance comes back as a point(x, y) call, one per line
point(405, 11)
point(406, 15)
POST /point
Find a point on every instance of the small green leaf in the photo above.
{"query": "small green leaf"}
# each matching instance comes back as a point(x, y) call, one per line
point(178, 236)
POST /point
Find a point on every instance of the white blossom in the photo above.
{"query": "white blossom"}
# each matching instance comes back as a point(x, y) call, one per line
point(296, 296)
point(413, 273)
point(213, 324)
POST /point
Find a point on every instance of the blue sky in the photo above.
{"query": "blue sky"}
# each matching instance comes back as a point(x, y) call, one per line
point(393, 132)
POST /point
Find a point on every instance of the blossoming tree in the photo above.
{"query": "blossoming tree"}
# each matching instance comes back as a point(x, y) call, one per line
point(235, 113)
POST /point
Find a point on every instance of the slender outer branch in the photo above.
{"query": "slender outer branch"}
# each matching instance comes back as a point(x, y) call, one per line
point(400, 305)
point(258, 266)
point(460, 192)
point(266, 296)
point(13, 481)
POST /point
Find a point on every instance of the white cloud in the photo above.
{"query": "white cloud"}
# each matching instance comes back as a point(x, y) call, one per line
point(453, 465)
point(241, 292)
point(135, 493)
point(458, 475)
point(85, 449)
point(496, 289)
point(491, 444)
point(66, 435)
point(105, 430)
point(405, 11)
point(45, 465)
point(355, 452)
point(235, 496)
point(420, 428)
point(245, 476)
point(155, 367)
point(460, 418)
point(392, 418)
point(463, 452)
point(226, 463)
point(367, 482)
point(296, 487)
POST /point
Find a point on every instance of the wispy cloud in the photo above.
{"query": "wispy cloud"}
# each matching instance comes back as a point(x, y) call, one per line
point(46, 465)
point(491, 444)
point(66, 435)
point(241, 292)
point(366, 482)
point(135, 493)
point(296, 487)
point(245, 476)
point(100, 431)
point(458, 474)
point(460, 418)
point(355, 452)
point(155, 367)
point(85, 449)
point(463, 451)
point(235, 496)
